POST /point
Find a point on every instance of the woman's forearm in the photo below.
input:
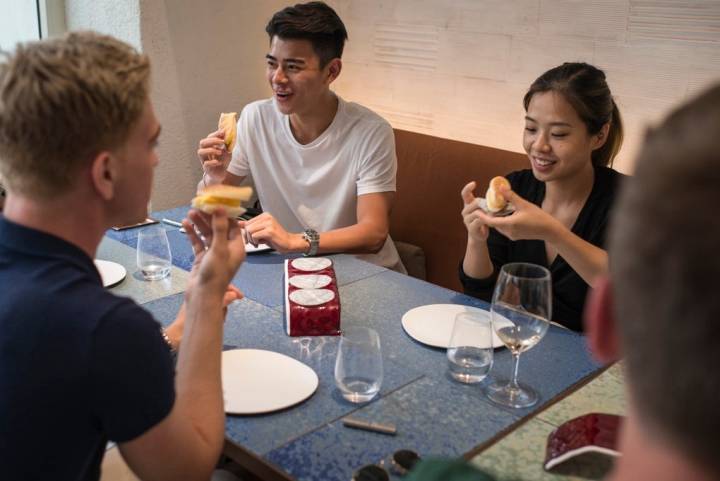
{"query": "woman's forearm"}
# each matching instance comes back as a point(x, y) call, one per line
point(477, 263)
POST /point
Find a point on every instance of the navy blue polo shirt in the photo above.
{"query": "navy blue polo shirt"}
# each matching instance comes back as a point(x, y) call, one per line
point(78, 365)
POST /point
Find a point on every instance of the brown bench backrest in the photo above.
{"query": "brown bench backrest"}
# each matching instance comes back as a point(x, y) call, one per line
point(431, 172)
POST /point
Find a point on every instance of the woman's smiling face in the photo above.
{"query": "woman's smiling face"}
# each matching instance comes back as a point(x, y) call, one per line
point(556, 139)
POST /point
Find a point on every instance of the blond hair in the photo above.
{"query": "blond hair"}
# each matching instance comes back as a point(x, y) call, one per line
point(63, 101)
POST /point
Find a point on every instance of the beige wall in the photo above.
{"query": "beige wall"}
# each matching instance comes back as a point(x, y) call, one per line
point(451, 68)
point(207, 57)
point(459, 68)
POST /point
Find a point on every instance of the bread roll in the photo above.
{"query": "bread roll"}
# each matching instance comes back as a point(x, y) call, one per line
point(495, 201)
point(226, 196)
point(228, 124)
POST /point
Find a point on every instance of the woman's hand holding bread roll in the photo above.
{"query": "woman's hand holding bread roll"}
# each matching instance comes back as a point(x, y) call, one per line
point(494, 197)
point(528, 221)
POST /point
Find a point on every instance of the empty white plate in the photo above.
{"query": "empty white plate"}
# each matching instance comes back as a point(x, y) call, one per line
point(433, 324)
point(111, 273)
point(256, 381)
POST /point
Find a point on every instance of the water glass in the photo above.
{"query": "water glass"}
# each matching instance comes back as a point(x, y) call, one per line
point(358, 366)
point(470, 352)
point(153, 253)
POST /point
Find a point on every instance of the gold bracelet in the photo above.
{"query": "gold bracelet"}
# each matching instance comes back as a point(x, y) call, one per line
point(166, 338)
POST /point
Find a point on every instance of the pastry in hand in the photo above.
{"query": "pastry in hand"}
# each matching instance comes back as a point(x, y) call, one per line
point(228, 197)
point(228, 124)
point(494, 199)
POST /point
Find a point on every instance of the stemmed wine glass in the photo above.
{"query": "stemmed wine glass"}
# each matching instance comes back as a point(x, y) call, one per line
point(522, 296)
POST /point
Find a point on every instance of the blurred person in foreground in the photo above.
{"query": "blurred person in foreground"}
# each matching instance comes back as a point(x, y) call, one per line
point(659, 309)
point(78, 365)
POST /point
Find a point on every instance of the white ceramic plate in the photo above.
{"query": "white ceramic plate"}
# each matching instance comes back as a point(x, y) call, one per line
point(310, 264)
point(433, 324)
point(251, 249)
point(111, 273)
point(310, 281)
point(509, 208)
point(256, 381)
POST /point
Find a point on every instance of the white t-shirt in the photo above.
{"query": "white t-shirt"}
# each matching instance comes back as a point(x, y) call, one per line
point(315, 186)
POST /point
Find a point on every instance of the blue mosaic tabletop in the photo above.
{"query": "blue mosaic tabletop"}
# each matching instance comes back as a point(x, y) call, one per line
point(434, 415)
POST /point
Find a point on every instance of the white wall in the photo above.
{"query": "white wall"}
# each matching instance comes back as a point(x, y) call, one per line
point(118, 18)
point(459, 68)
point(18, 23)
point(451, 68)
point(205, 61)
point(207, 58)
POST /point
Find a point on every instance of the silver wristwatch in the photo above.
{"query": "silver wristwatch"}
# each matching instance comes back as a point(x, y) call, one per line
point(313, 239)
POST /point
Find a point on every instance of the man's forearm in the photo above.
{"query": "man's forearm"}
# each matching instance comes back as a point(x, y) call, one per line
point(198, 382)
point(356, 239)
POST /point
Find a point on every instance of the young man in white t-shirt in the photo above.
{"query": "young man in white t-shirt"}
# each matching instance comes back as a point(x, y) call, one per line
point(324, 169)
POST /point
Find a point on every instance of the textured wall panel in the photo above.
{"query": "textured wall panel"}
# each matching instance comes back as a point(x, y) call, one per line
point(406, 45)
point(459, 68)
point(495, 16)
point(605, 19)
point(531, 55)
point(674, 20)
point(472, 54)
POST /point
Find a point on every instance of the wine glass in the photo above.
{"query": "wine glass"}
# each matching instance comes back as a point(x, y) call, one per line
point(520, 310)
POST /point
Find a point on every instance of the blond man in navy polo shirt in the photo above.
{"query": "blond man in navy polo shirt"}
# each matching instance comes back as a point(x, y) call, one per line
point(78, 365)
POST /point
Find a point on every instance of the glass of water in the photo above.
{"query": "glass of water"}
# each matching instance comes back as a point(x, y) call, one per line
point(153, 253)
point(358, 366)
point(470, 352)
point(521, 309)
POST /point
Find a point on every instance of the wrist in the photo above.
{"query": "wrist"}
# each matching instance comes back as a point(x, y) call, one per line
point(474, 242)
point(554, 232)
point(208, 179)
point(312, 240)
point(172, 336)
point(298, 243)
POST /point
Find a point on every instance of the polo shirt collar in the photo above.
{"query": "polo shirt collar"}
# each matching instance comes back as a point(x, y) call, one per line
point(16, 237)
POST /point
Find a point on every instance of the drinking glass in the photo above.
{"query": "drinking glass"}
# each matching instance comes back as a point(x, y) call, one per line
point(153, 253)
point(470, 352)
point(358, 366)
point(520, 309)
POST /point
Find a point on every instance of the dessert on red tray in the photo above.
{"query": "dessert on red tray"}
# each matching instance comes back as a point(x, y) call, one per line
point(591, 433)
point(312, 300)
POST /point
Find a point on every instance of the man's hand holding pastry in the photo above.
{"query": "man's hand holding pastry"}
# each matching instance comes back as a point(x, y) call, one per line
point(215, 150)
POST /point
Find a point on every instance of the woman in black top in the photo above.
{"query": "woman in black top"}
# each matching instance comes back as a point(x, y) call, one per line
point(572, 133)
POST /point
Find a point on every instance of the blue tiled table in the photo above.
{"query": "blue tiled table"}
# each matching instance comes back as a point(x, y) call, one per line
point(434, 415)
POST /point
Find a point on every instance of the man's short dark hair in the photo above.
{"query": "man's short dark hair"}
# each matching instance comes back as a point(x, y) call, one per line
point(665, 266)
point(313, 21)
